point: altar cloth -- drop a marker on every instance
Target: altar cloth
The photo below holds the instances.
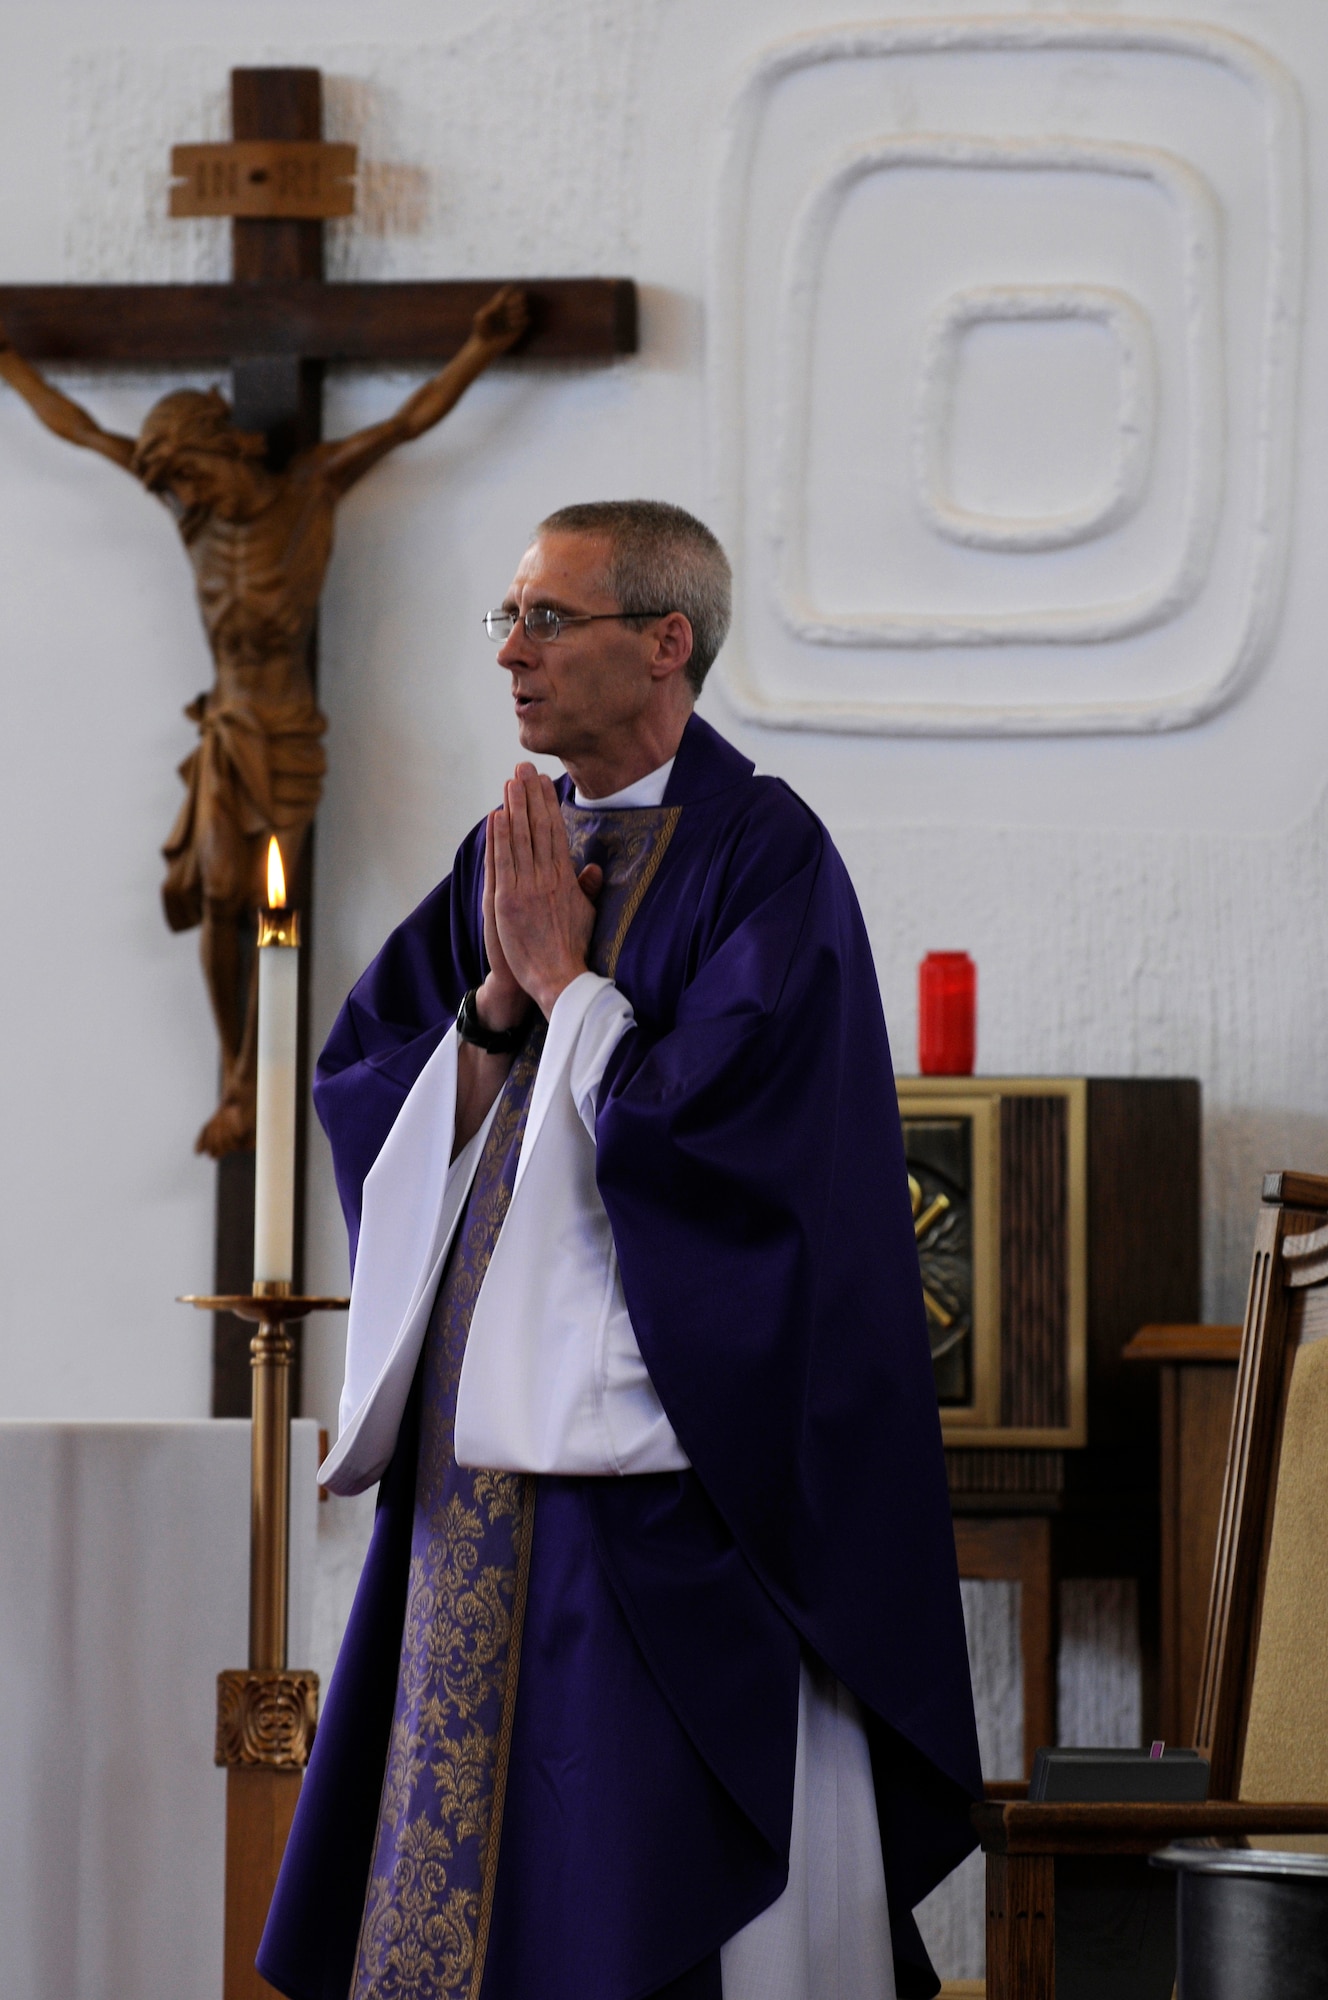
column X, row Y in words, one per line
column 123, row 1591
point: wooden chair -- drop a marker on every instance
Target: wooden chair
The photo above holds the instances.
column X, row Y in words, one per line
column 1263, row 1704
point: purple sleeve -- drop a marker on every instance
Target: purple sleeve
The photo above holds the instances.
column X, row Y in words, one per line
column 751, row 1161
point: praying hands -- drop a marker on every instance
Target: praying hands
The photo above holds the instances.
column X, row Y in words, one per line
column 538, row 912
column 538, row 918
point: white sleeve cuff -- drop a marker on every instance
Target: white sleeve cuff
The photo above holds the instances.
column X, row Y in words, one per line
column 593, row 1016
column 552, row 1379
column 413, row 1197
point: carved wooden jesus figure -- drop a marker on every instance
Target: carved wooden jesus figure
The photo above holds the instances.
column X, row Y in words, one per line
column 259, row 542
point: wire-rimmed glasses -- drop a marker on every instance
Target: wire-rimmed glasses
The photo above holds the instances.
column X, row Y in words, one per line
column 543, row 624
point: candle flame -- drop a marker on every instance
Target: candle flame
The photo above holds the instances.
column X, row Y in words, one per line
column 276, row 877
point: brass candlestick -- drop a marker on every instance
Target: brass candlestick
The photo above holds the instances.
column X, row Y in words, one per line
column 266, row 1712
column 271, row 1354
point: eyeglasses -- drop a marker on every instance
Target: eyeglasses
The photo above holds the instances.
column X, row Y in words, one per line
column 542, row 623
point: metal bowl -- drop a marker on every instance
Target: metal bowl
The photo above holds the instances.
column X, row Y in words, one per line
column 1251, row 1922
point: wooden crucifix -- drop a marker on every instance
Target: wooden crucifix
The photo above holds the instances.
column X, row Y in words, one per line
column 276, row 325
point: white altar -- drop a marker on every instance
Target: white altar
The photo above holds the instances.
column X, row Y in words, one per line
column 123, row 1591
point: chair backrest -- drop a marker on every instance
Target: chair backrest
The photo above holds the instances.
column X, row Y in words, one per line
column 1263, row 1698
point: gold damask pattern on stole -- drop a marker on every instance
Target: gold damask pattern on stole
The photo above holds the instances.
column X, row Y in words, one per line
column 423, row 1935
column 628, row 843
column 524, row 1540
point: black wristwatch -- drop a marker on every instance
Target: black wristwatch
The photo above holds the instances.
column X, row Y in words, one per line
column 494, row 1041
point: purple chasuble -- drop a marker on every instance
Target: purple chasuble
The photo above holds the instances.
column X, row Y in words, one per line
column 750, row 1159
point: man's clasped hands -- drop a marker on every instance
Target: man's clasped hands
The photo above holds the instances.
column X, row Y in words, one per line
column 538, row 911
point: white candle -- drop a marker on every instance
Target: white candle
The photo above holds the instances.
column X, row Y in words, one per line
column 278, row 1029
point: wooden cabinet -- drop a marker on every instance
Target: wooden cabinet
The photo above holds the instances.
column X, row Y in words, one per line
column 1197, row 1393
column 1055, row 1217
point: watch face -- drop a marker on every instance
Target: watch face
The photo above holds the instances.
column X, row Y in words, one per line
column 939, row 1152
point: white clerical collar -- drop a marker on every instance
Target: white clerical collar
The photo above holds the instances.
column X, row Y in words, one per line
column 647, row 791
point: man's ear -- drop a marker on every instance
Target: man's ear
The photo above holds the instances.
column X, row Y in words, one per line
column 673, row 645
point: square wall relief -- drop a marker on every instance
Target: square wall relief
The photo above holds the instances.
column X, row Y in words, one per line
column 1004, row 320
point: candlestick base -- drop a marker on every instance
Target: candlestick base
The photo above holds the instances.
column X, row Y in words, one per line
column 266, row 1713
column 272, row 1306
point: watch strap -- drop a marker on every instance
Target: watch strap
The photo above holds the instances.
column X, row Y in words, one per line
column 494, row 1041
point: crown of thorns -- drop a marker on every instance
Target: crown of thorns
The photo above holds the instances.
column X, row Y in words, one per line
column 190, row 420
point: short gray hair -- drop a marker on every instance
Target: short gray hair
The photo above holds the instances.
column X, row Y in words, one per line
column 661, row 559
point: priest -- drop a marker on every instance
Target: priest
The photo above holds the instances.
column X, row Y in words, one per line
column 655, row 1685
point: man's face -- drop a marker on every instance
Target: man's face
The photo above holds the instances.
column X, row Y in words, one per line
column 579, row 694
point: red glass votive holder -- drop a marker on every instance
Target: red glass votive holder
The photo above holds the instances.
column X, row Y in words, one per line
column 947, row 1013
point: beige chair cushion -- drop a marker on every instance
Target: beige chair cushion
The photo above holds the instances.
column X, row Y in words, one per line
column 1286, row 1744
